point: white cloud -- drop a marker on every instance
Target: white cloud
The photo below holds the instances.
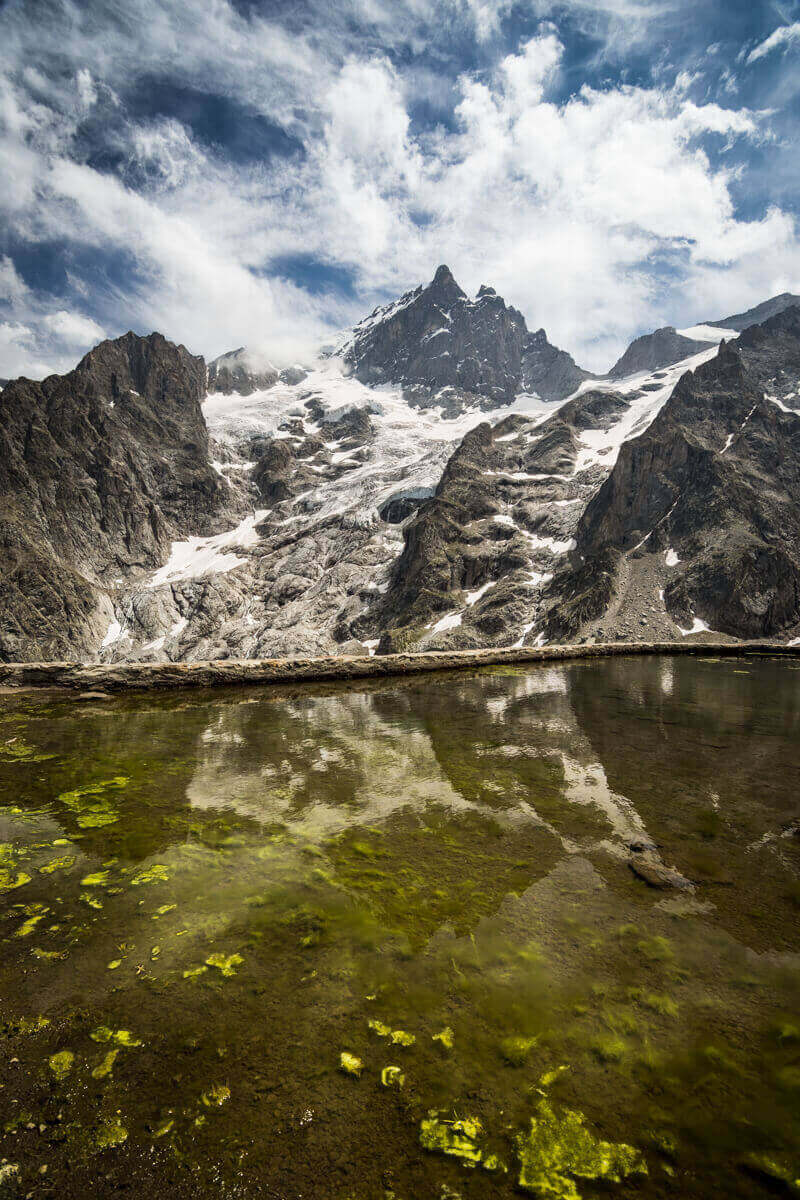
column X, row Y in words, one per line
column 784, row 35
column 73, row 329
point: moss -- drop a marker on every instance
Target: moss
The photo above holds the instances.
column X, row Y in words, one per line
column 351, row 1064
column 226, row 964
column 558, row 1148
column 515, row 1050
column 61, row 1063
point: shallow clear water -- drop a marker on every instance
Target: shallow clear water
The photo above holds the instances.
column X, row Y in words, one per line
column 209, row 899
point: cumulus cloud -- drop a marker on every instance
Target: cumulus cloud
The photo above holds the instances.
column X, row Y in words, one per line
column 597, row 211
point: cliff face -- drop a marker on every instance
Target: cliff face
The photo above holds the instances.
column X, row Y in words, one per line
column 711, row 486
column 99, row 470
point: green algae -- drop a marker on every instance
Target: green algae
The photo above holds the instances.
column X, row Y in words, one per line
column 380, row 1027
column 516, row 1050
column 163, row 910
column 92, row 901
column 120, row 1037
column 61, row 1064
column 193, row 972
column 558, row 1148
column 96, row 879
column 445, row 1037
column 773, row 1170
column 401, row 1038
column 91, row 805
column 114, row 964
column 110, row 1133
column 106, row 1066
column 351, row 1064
column 458, row 1138
column 26, row 1025
column 665, row 1006
column 164, row 1127
column 226, row 964
column 27, row 927
column 608, row 1048
column 9, row 880
column 16, row 750
column 65, row 863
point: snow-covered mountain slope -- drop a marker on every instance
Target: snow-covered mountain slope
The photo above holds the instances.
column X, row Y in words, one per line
column 311, row 567
column 367, row 503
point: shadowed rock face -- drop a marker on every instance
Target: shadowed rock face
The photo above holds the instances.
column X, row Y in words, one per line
column 715, row 479
column 99, row 470
column 447, row 349
column 653, row 351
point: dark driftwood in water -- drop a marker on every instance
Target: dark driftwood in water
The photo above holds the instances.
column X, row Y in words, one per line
column 153, row 676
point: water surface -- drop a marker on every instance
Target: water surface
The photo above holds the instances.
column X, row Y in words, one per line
column 383, row 941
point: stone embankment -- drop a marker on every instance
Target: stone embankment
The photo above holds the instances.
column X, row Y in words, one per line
column 123, row 677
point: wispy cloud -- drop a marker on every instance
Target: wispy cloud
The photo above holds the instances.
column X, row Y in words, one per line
column 784, row 35
column 595, row 209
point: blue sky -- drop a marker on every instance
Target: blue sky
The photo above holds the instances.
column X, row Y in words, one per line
column 242, row 172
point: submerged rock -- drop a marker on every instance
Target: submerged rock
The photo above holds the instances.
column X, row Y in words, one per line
column 649, row 867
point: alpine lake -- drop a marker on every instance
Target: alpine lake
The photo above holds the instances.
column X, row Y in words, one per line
column 383, row 941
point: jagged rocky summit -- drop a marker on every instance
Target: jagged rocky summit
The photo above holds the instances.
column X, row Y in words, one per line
column 449, row 350
column 446, row 479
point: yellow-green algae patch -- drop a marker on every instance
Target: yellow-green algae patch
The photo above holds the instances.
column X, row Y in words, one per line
column 61, row 1063
column 226, row 964
column 96, row 879
column 106, row 1066
column 351, row 1064
column 110, row 1133
column 158, row 873
column 120, row 1037
column 90, row 803
column 445, row 1038
column 65, row 863
column 216, row 1096
column 559, row 1148
column 392, row 1077
column 458, row 1138
column 516, row 1049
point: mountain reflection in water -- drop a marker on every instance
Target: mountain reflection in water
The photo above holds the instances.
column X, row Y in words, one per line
column 385, row 941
